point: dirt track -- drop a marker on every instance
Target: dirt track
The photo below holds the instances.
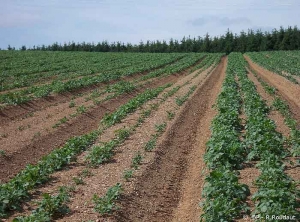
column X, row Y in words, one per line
column 170, row 188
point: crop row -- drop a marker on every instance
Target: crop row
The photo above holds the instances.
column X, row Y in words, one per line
column 209, row 60
column 278, row 62
column 224, row 195
column 277, row 193
column 283, row 108
column 99, row 154
column 59, row 87
column 13, row 192
column 72, row 65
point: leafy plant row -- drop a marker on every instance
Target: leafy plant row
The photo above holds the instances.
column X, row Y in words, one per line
column 103, row 153
column 28, row 94
column 280, row 62
column 131, row 106
column 176, row 67
column 21, row 71
column 13, row 192
column 17, row 189
column 283, row 108
column 106, row 204
column 277, row 193
column 48, row 207
column 209, row 60
column 224, row 195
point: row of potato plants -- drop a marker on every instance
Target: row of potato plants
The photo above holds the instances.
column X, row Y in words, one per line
column 97, row 155
column 282, row 106
column 177, row 67
column 103, row 153
column 224, row 196
column 122, row 87
column 127, row 87
column 209, row 60
column 107, row 204
column 69, row 152
column 30, row 93
column 48, row 207
column 279, row 62
column 17, row 189
column 71, row 66
column 277, row 192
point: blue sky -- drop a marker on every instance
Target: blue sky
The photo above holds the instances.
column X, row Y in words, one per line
column 36, row 22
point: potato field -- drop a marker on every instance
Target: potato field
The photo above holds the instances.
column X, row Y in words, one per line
column 181, row 137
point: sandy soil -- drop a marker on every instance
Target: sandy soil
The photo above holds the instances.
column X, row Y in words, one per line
column 42, row 145
column 288, row 90
column 108, row 174
column 165, row 186
column 250, row 172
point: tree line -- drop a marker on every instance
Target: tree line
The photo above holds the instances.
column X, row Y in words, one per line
column 250, row 41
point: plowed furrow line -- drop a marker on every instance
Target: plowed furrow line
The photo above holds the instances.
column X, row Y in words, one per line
column 164, row 184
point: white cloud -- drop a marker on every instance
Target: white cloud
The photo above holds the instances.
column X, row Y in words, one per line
column 134, row 20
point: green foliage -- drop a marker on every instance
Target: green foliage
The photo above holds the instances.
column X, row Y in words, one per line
column 136, row 160
column 122, row 134
column 277, row 193
column 284, row 63
column 77, row 70
column 48, row 207
column 127, row 174
column 2, row 153
column 86, row 173
column 106, row 204
column 78, row 180
column 150, row 145
column 13, row 192
column 121, row 87
column 170, row 115
column 72, row 104
column 102, row 153
column 225, row 197
column 160, row 128
column 180, row 100
column 61, row 121
column 81, row 109
column 131, row 106
column 171, row 92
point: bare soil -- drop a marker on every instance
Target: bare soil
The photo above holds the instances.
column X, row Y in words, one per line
column 10, row 112
column 250, row 173
column 286, row 89
column 273, row 114
column 41, row 146
column 164, row 184
column 107, row 175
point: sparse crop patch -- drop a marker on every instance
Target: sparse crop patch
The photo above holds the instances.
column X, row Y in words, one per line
column 106, row 204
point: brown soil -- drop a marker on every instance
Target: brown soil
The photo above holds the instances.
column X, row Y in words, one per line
column 109, row 174
column 188, row 208
column 21, row 137
column 273, row 114
column 247, row 176
column 297, row 78
column 250, row 172
column 286, row 89
column 20, row 133
column 50, row 79
column 9, row 113
column 161, row 188
column 83, row 124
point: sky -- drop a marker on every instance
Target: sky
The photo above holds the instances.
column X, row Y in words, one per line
column 37, row 22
